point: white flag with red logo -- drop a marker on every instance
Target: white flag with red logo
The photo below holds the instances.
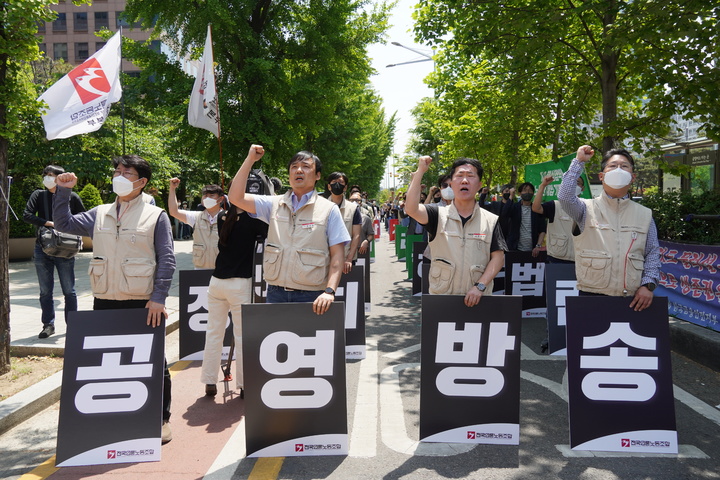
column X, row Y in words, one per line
column 203, row 109
column 80, row 101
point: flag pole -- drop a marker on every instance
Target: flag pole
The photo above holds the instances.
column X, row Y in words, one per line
column 122, row 98
column 217, row 100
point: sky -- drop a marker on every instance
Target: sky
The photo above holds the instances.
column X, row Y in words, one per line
column 401, row 87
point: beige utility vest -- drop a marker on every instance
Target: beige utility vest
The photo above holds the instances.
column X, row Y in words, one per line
column 610, row 252
column 123, row 263
column 205, row 241
column 297, row 255
column 460, row 253
column 347, row 210
column 559, row 236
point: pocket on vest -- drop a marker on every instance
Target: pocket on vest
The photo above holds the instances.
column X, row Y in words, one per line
column 558, row 245
column 97, row 270
column 310, row 268
column 272, row 261
column 635, row 267
column 137, row 276
column 594, row 268
column 441, row 275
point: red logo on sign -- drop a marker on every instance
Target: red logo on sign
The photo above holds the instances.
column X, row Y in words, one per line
column 471, row 435
column 89, row 80
column 111, row 454
column 625, row 442
column 299, row 447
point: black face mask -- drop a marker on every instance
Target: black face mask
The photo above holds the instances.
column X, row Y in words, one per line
column 526, row 196
column 506, row 196
column 337, row 188
column 437, row 199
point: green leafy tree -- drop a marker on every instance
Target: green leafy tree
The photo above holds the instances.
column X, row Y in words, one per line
column 284, row 72
column 645, row 60
column 18, row 46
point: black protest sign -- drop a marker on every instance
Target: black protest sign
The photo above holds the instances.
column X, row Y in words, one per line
column 560, row 283
column 351, row 291
column 112, row 387
column 619, row 376
column 525, row 276
column 295, row 395
column 259, row 285
column 363, row 260
column 470, row 371
column 417, row 263
column 194, row 315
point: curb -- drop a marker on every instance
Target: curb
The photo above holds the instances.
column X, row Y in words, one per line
column 701, row 345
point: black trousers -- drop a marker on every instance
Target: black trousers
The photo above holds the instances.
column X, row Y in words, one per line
column 104, row 304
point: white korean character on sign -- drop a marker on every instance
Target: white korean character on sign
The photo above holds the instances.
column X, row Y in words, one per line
column 198, row 321
column 463, row 346
column 119, row 389
column 564, row 289
column 258, row 280
column 528, row 279
column 350, row 293
column 617, row 385
column 315, row 353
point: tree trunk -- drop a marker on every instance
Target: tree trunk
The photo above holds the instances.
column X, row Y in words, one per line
column 4, row 255
column 608, row 83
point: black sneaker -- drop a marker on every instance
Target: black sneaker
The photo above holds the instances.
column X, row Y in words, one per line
column 47, row 330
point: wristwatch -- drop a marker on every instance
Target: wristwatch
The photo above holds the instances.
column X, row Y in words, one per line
column 480, row 286
column 650, row 286
column 330, row 291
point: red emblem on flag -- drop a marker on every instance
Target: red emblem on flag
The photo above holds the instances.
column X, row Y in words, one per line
column 89, row 80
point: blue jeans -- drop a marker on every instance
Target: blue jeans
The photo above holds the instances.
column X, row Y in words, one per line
column 277, row 294
column 45, row 266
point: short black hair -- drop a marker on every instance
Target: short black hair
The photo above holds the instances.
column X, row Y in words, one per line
column 616, row 151
column 53, row 169
column 467, row 161
column 335, row 176
column 305, row 155
column 135, row 161
column 525, row 184
column 212, row 189
column 443, row 179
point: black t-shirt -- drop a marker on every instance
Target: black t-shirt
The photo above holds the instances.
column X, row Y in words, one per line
column 549, row 211
column 498, row 240
column 235, row 260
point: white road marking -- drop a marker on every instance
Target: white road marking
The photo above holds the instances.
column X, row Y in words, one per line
column 363, row 440
column 401, row 353
column 230, row 456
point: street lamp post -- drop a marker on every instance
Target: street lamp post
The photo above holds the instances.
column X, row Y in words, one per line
column 428, row 57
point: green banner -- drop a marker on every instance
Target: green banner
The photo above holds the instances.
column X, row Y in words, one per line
column 409, row 241
column 536, row 172
column 400, row 233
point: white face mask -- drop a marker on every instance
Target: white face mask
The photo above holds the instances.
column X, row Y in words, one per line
column 578, row 191
column 617, row 178
column 209, row 202
column 447, row 193
column 49, row 182
column 122, row 186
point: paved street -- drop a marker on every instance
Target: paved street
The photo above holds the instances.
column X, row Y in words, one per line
column 383, row 408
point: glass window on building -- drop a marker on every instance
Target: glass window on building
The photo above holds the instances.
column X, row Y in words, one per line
column 120, row 20
column 60, row 51
column 43, row 48
column 80, row 23
column 102, row 20
column 99, row 45
column 41, row 27
column 155, row 46
column 81, row 51
column 60, row 23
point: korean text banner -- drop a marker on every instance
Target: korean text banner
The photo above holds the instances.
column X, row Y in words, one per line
column 80, row 101
column 535, row 174
column 688, row 276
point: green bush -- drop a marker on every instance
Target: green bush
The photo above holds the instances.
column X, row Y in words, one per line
column 90, row 196
column 20, row 191
column 671, row 209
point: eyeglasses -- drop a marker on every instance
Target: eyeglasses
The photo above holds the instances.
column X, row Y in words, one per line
column 117, row 173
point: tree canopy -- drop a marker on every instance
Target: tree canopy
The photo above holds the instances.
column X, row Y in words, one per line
column 634, row 62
